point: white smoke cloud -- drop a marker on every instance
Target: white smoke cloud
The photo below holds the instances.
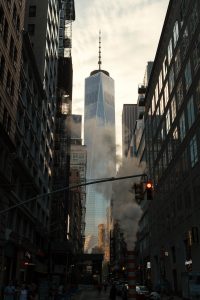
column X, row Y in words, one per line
column 125, row 209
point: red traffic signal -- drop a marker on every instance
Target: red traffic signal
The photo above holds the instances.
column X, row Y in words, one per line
column 149, row 190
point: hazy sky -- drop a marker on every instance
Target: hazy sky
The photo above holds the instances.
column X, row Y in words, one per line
column 130, row 35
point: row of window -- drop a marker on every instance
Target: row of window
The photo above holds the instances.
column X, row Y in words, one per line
column 163, row 113
column 172, row 63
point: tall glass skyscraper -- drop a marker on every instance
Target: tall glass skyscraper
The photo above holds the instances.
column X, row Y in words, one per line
column 99, row 134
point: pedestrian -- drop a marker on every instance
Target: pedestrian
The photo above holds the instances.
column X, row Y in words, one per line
column 9, row 291
column 23, row 294
column 113, row 292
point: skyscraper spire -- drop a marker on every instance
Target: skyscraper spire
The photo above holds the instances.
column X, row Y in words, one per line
column 99, row 62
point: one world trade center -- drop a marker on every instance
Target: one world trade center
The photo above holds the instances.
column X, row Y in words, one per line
column 99, row 136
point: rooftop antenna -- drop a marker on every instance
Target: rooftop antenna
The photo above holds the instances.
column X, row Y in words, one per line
column 99, row 62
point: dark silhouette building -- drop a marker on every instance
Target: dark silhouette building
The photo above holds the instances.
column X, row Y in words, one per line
column 172, row 123
column 129, row 117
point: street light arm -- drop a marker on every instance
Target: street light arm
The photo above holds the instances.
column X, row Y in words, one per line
column 70, row 187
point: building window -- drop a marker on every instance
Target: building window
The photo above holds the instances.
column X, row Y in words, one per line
column 171, row 79
column 14, row 14
column 8, row 82
column 18, row 24
column 9, row 125
column 185, row 162
column 2, row 14
column 166, row 91
column 182, row 126
column 169, row 148
column 198, row 95
column 173, row 109
column 15, row 56
column 179, row 93
column 170, row 51
column 160, row 81
column 196, row 53
column 175, row 139
column 5, row 118
column 153, row 105
column 2, row 68
column 156, row 94
column 163, row 132
column 5, row 32
column 168, row 125
column 161, row 105
column 12, row 88
column 32, row 11
column 165, row 66
column 175, row 33
column 188, row 75
column 185, row 41
column 31, row 29
column 177, row 63
column 193, row 151
column 190, row 112
column 11, row 47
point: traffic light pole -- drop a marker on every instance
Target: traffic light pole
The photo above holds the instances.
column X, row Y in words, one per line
column 71, row 187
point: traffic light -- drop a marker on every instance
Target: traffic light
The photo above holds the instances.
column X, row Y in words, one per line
column 139, row 191
column 149, row 190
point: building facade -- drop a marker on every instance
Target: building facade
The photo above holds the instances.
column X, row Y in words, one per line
column 78, row 161
column 173, row 146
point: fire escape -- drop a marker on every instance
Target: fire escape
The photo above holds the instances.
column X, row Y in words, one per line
column 60, row 245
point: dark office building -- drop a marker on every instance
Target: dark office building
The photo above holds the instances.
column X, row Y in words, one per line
column 172, row 128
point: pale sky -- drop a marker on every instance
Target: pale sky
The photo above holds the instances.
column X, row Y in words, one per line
column 130, row 32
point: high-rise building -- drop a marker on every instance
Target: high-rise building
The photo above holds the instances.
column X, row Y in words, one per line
column 99, row 134
column 11, row 26
column 172, row 123
column 129, row 117
column 101, row 237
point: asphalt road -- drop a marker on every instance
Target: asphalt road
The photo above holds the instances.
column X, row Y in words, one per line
column 90, row 293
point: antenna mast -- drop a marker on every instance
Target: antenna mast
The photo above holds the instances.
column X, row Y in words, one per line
column 99, row 62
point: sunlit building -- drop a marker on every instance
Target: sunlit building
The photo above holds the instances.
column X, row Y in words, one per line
column 172, row 123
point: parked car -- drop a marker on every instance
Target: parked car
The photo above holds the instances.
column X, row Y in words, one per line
column 142, row 291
